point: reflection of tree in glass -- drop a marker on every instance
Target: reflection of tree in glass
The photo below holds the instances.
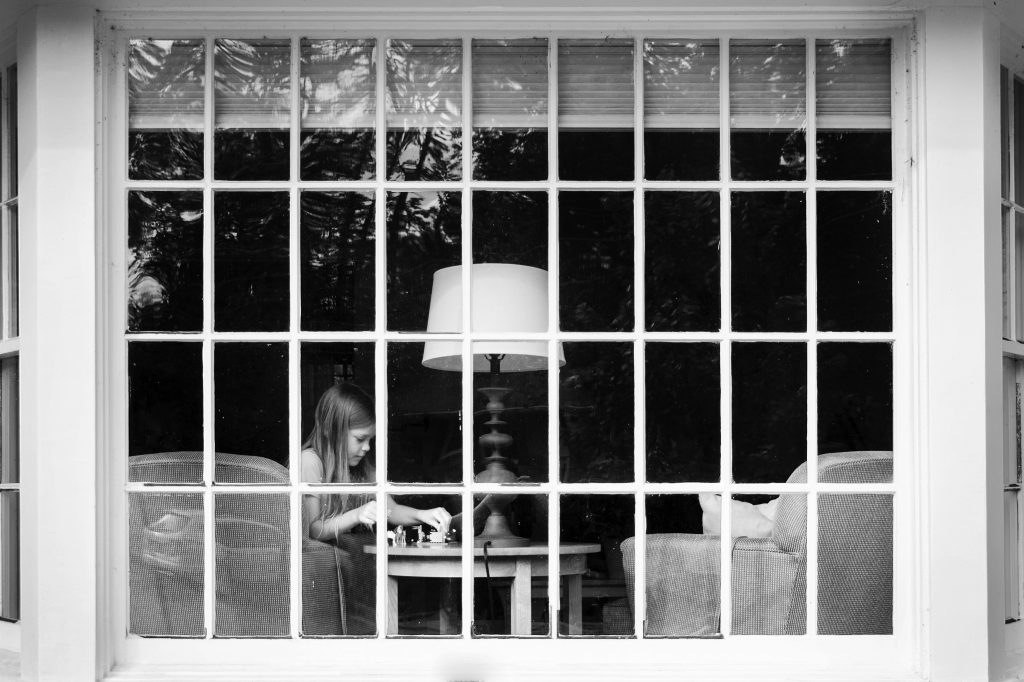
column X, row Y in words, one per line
column 337, row 261
column 424, row 110
column 338, row 105
column 165, row 261
column 165, row 91
column 423, row 236
column 511, row 227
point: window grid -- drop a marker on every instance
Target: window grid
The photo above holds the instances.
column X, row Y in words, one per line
column 724, row 185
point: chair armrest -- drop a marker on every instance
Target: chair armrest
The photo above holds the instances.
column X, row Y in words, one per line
column 323, row 595
column 682, row 583
column 764, row 588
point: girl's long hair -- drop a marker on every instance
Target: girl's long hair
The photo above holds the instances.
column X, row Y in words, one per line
column 341, row 408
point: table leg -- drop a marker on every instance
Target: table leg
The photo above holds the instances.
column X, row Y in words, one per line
column 522, row 586
column 392, row 605
column 574, row 601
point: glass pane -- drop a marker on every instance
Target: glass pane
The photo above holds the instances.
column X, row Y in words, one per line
column 510, row 109
column 590, row 547
column 510, row 588
column 165, row 261
column 165, row 411
column 424, row 110
column 595, row 109
column 596, row 413
column 683, row 566
column 10, row 421
column 681, row 109
column 1018, row 140
column 337, row 381
column 252, row 565
column 769, row 410
column 165, row 569
column 339, row 106
column 511, row 227
column 683, row 412
column 251, row 410
column 1007, row 270
column 768, row 563
column 510, row 411
column 424, row 235
column 854, row 261
column 166, row 95
column 1011, row 556
column 338, row 254
column 854, row 564
column 1018, row 269
column 767, row 106
column 853, row 109
column 252, row 108
column 1004, row 132
column 1011, row 423
column 683, row 294
column 854, row 397
column 424, row 418
column 335, row 551
column 10, row 555
column 12, row 134
column 596, row 261
column 13, row 280
column 424, row 570
column 250, row 261
column 769, row 261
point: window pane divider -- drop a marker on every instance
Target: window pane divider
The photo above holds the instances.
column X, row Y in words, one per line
column 294, row 463
column 811, row 204
column 469, row 427
column 639, row 345
column 725, row 344
column 210, row 417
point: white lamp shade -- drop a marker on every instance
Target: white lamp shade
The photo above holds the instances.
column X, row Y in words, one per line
column 505, row 298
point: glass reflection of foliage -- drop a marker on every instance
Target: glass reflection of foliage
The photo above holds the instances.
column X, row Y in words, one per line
column 337, row 261
column 769, row 261
column 769, row 410
column 424, row 140
column 674, row 514
column 768, row 96
column 251, row 269
column 511, row 227
column 253, row 81
column 167, row 78
column 510, row 154
column 854, row 154
column 854, row 261
column 424, row 419
column 596, row 413
column 251, row 399
column 683, row 412
column 681, row 109
column 165, row 261
column 165, row 405
column 338, row 84
column 596, row 261
column 321, row 365
column 423, row 236
column 854, row 397
column 683, row 294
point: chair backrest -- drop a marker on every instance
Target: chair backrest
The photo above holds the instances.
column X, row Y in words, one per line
column 854, row 546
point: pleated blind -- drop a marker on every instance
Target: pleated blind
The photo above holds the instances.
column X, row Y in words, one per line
column 338, row 84
column 767, row 84
column 166, row 79
column 595, row 84
column 681, row 84
column 853, row 82
column 253, row 84
column 424, row 83
column 510, row 83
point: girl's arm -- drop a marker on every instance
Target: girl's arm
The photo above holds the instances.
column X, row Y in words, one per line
column 401, row 515
column 330, row 528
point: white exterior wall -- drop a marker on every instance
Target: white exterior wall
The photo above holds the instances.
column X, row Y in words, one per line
column 956, row 522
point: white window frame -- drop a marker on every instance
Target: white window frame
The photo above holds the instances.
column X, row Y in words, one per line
column 870, row 655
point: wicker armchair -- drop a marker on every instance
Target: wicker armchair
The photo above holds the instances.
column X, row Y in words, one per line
column 252, row 555
column 769, row 574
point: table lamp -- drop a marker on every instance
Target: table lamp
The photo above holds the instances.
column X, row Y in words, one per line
column 505, row 298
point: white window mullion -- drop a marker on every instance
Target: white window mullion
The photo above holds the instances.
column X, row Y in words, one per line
column 554, row 379
column 725, row 344
column 210, row 417
column 209, row 543
column 726, row 480
column 294, row 348
column 468, row 417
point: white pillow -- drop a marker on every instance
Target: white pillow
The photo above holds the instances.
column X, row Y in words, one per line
column 749, row 520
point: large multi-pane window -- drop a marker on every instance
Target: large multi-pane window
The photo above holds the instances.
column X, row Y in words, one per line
column 9, row 347
column 591, row 288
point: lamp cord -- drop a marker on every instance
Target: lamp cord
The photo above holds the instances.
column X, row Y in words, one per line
column 487, row 572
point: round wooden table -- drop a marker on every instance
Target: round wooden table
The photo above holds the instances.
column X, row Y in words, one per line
column 519, row 563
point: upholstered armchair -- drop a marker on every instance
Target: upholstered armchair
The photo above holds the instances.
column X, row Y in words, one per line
column 769, row 574
column 252, row 555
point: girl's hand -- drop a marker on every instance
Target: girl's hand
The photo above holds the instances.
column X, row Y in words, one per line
column 438, row 517
column 367, row 514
